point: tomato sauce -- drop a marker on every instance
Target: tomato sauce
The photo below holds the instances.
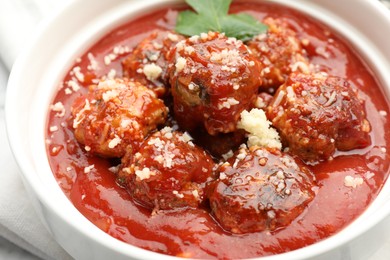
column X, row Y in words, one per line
column 194, row 232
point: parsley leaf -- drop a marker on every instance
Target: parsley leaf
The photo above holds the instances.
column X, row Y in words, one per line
column 212, row 15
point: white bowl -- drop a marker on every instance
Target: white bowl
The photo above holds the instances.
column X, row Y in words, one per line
column 67, row 34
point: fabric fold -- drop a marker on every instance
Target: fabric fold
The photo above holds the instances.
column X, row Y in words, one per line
column 19, row 223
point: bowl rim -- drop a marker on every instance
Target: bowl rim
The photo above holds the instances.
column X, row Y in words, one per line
column 23, row 159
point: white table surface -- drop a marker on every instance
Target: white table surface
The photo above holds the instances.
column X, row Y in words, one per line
column 11, row 251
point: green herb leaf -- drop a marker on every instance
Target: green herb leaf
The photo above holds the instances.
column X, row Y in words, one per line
column 212, row 15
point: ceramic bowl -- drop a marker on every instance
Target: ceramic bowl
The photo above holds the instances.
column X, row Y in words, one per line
column 67, row 34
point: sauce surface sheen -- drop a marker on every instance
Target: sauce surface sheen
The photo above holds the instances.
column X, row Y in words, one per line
column 193, row 232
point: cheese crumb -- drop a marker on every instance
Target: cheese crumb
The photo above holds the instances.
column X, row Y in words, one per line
column 179, row 195
column 109, row 95
column 195, row 193
column 228, row 103
column 68, row 91
column 145, row 173
column 53, row 128
column 189, row 50
column 173, row 37
column 58, row 107
column 353, row 182
column 89, row 168
column 77, row 72
column 73, row 85
column 80, row 115
column 181, row 64
column 259, row 128
column 111, row 74
column 114, row 142
column 114, row 169
column 271, row 214
column 152, row 71
column 93, row 64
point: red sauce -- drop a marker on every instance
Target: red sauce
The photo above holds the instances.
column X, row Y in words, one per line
column 193, row 232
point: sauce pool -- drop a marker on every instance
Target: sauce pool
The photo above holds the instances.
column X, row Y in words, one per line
column 88, row 181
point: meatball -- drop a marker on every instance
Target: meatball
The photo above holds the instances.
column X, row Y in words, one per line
column 221, row 144
column 147, row 63
column 317, row 113
column 167, row 172
column 260, row 189
column 115, row 114
column 280, row 53
column 213, row 79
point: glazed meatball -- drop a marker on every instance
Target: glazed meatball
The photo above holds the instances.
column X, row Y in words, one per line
column 213, row 79
column 115, row 114
column 167, row 172
column 260, row 189
column 317, row 113
column 147, row 63
column 280, row 53
column 221, row 144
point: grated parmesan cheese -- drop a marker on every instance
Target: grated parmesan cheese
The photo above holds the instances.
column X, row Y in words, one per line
column 152, row 71
column 77, row 72
column 259, row 128
column 53, row 128
column 93, row 64
column 59, row 108
column 73, row 85
column 114, row 169
column 195, row 193
column 111, row 74
column 353, row 182
column 145, row 173
column 189, row 50
column 89, row 168
column 68, row 91
column 181, row 64
column 173, row 37
column 179, row 195
column 228, row 103
column 80, row 115
column 114, row 142
column 109, row 95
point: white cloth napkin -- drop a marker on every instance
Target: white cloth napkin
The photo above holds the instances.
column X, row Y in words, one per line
column 19, row 223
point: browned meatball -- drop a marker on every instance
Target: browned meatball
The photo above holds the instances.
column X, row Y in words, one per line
column 221, row 144
column 213, row 79
column 114, row 114
column 147, row 63
column 280, row 53
column 317, row 113
column 167, row 172
column 260, row 189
